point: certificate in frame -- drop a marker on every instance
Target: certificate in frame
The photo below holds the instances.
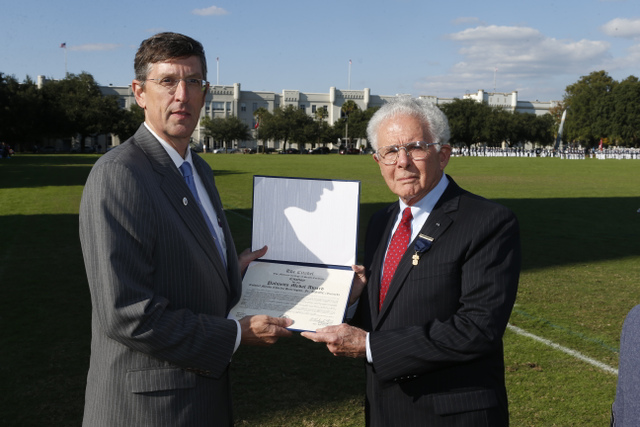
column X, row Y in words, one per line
column 311, row 229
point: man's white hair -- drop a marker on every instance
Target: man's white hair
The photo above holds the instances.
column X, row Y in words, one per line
column 432, row 118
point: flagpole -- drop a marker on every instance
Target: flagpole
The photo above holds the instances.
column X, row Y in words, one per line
column 349, row 82
column 495, row 72
column 64, row 46
column 217, row 71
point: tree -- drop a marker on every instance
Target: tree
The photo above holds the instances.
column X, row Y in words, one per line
column 321, row 129
column 128, row 121
column 466, row 120
column 22, row 109
column 226, row 129
column 287, row 124
column 591, row 108
column 321, row 114
column 261, row 115
column 79, row 108
column 347, row 109
column 625, row 127
column 499, row 126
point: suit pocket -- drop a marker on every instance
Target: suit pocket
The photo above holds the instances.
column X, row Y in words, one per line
column 466, row 401
column 159, row 379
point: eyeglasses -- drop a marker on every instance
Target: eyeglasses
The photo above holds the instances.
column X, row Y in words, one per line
column 171, row 83
column 417, row 150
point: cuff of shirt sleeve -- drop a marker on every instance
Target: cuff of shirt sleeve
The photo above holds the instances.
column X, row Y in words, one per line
column 369, row 356
column 238, row 332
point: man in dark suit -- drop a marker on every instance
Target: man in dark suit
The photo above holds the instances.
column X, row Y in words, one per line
column 441, row 270
column 626, row 407
column 161, row 263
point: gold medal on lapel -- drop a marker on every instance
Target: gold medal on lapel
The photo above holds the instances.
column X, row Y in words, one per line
column 422, row 245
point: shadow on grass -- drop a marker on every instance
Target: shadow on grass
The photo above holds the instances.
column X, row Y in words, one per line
column 45, row 309
column 554, row 232
column 45, row 314
column 31, row 171
column 565, row 231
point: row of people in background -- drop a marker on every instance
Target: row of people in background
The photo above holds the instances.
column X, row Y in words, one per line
column 492, row 152
column 5, row 151
column 618, row 153
column 564, row 153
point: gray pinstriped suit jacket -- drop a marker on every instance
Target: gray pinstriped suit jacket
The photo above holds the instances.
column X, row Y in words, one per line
column 437, row 342
column 161, row 343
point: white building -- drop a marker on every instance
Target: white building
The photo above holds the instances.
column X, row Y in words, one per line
column 225, row 101
column 510, row 102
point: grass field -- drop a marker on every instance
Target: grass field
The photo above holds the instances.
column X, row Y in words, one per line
column 580, row 234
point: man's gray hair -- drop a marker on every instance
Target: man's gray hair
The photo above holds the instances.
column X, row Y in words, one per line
column 432, row 118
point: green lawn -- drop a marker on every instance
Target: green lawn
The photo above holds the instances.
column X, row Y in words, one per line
column 580, row 234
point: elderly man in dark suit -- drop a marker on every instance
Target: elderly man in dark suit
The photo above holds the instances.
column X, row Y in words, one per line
column 441, row 270
column 161, row 263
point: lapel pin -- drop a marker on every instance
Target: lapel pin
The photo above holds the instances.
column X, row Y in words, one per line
column 185, row 201
column 422, row 245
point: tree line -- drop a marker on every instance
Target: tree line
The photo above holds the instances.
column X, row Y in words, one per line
column 598, row 108
column 292, row 125
column 71, row 107
column 601, row 108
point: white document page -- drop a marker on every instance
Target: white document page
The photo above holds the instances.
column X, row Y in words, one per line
column 306, row 220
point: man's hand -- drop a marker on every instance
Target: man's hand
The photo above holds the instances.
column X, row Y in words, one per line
column 245, row 258
column 341, row 340
column 359, row 282
column 263, row 330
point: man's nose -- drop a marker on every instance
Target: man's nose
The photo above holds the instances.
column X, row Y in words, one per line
column 182, row 91
column 403, row 156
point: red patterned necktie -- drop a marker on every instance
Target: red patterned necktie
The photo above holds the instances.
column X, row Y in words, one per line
column 397, row 247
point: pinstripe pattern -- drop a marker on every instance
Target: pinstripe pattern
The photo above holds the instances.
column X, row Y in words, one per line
column 161, row 343
column 626, row 407
column 437, row 341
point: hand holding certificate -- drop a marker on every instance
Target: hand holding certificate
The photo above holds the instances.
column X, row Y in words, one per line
column 310, row 228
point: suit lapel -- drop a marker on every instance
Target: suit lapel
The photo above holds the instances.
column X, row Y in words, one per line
column 207, row 179
column 378, row 258
column 172, row 183
column 438, row 222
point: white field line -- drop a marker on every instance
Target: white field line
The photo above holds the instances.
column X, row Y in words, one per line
column 566, row 350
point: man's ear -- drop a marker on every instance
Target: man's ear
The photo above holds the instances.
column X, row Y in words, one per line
column 445, row 155
column 138, row 91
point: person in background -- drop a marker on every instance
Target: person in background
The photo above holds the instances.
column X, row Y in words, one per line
column 626, row 406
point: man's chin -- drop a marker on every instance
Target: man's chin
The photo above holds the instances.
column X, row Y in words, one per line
column 181, row 131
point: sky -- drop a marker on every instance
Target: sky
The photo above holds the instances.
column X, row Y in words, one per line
column 417, row 47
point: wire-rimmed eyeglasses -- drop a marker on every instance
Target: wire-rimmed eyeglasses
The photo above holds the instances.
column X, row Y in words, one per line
column 171, row 83
column 417, row 150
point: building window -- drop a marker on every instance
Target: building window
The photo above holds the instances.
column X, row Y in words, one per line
column 255, row 106
column 313, row 109
column 303, row 107
column 243, row 107
column 218, row 106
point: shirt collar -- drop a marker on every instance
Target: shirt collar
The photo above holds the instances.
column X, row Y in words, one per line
column 177, row 159
column 427, row 203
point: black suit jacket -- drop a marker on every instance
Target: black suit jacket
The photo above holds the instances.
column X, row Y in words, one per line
column 437, row 341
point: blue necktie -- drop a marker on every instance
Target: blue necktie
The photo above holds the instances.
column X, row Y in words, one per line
column 185, row 168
